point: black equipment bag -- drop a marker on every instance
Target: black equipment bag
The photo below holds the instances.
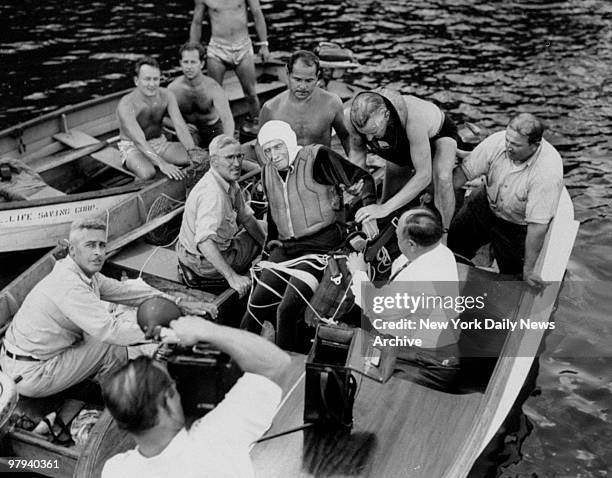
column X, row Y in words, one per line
column 330, row 386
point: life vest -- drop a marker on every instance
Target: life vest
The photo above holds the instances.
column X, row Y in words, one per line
column 299, row 205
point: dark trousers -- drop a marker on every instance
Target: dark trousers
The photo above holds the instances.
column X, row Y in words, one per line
column 475, row 225
column 287, row 314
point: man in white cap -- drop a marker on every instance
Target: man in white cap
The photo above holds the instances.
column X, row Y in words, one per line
column 303, row 187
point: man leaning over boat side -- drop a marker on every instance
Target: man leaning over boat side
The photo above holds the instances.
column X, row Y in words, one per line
column 311, row 111
column 425, row 266
column 419, row 143
column 63, row 333
column 203, row 102
column 304, row 204
column 219, row 236
column 143, row 400
column 230, row 45
column 524, row 180
column 143, row 146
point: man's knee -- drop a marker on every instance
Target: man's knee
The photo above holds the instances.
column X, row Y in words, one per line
column 141, row 167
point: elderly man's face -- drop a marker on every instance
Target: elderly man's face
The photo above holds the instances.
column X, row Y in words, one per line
column 276, row 151
column 228, row 162
column 518, row 147
column 88, row 250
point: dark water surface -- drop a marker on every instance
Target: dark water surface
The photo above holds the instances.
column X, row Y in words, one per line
column 483, row 61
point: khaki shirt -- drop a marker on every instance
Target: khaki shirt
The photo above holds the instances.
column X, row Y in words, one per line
column 65, row 304
column 528, row 193
column 213, row 210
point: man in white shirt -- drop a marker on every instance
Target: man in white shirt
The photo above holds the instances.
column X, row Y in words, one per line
column 426, row 268
column 143, row 399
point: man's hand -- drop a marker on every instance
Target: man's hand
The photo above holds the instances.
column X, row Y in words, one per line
column 534, row 280
column 190, row 329
column 355, row 262
column 199, row 308
column 264, row 52
column 241, row 284
column 170, row 170
column 370, row 227
column 373, row 211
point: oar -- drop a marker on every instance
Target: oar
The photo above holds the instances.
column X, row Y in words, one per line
column 76, row 154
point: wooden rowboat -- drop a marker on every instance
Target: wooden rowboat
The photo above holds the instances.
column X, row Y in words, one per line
column 72, row 161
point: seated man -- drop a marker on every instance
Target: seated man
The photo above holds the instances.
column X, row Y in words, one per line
column 63, row 332
column 301, row 184
column 211, row 242
column 524, row 180
column 141, row 114
column 143, row 400
column 311, row 111
column 426, row 268
column 202, row 101
column 418, row 141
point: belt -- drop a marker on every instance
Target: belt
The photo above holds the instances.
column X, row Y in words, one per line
column 26, row 358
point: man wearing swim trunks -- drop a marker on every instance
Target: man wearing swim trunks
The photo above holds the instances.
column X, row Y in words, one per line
column 311, row 111
column 141, row 114
column 230, row 45
column 202, row 101
column 419, row 143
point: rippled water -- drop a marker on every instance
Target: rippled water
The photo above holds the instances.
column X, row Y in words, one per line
column 483, row 61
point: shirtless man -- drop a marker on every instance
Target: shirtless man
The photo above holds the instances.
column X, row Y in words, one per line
column 141, row 114
column 202, row 101
column 230, row 45
column 418, row 141
column 310, row 110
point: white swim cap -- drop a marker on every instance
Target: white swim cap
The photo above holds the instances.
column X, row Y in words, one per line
column 276, row 129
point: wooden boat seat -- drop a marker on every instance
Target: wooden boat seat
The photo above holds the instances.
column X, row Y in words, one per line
column 109, row 156
column 148, row 259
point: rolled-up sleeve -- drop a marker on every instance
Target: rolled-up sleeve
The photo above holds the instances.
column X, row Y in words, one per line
column 128, row 292
column 479, row 160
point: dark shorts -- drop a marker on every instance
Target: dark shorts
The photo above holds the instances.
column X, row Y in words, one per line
column 447, row 130
column 206, row 133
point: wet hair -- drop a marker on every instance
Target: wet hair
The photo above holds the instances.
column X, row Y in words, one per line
column 364, row 106
column 132, row 394
column 308, row 58
column 88, row 223
column 422, row 225
column 219, row 142
column 193, row 46
column 145, row 60
column 529, row 126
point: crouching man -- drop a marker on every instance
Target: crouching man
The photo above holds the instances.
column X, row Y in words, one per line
column 142, row 398
column 63, row 333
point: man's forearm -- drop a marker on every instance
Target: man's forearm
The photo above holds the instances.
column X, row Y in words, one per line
column 211, row 252
column 251, row 352
column 255, row 230
column 534, row 241
column 411, row 189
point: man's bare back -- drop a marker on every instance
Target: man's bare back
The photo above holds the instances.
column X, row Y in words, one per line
column 311, row 120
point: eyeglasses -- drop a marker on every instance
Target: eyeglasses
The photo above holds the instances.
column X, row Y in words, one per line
column 234, row 157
